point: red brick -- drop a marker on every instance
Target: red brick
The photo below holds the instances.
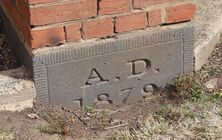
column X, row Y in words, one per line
column 98, row 28
column 180, row 13
column 73, row 32
column 131, row 22
column 18, row 20
column 12, row 11
column 24, row 9
column 154, row 18
column 114, row 6
column 66, row 11
column 145, row 3
column 61, row 11
column 25, row 30
column 47, row 37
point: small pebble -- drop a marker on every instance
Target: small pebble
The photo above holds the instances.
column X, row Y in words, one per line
column 33, row 116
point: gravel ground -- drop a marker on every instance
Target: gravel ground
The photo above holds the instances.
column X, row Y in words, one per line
column 216, row 58
column 13, row 81
column 13, row 76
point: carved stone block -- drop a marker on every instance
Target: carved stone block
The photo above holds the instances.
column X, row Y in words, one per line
column 120, row 70
column 115, row 71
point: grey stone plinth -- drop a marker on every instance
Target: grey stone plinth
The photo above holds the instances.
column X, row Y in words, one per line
column 122, row 70
column 117, row 70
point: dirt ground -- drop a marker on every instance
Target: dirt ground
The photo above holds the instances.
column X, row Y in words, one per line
column 58, row 123
column 7, row 58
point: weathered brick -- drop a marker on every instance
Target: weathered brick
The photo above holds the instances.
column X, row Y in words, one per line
column 98, row 28
column 18, row 21
column 100, row 18
column 25, row 30
column 131, row 22
column 114, row 6
column 73, row 32
column 47, row 37
column 23, row 7
column 180, row 13
column 145, row 3
column 63, row 12
column 11, row 10
column 154, row 18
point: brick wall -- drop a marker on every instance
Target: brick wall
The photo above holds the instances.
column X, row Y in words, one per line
column 42, row 23
column 18, row 13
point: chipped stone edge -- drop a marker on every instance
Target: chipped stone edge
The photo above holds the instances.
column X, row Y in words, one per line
column 204, row 50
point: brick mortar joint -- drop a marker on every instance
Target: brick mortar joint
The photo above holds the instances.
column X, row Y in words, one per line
column 118, row 35
column 113, row 16
column 40, row 5
column 52, row 54
column 98, row 16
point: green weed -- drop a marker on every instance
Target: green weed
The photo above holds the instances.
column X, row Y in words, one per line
column 89, row 109
column 216, row 96
column 188, row 87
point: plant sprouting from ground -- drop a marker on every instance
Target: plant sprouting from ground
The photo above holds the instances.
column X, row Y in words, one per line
column 216, row 96
column 187, row 87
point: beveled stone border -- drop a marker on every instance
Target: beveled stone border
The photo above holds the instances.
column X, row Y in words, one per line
column 126, row 42
column 38, row 63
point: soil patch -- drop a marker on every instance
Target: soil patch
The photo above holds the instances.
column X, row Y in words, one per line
column 7, row 58
column 63, row 123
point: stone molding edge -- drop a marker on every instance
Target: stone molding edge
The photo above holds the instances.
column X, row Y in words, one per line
column 37, row 63
column 130, row 41
column 40, row 62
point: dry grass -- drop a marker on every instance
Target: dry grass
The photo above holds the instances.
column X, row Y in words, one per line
column 191, row 120
column 197, row 117
column 5, row 134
